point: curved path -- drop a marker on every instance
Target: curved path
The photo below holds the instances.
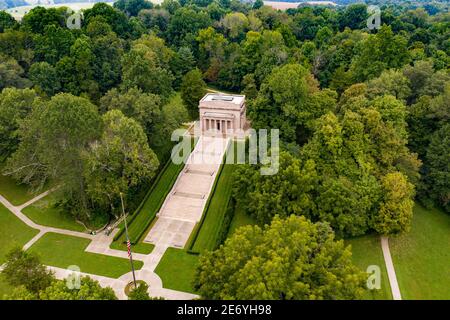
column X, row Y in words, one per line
column 100, row 244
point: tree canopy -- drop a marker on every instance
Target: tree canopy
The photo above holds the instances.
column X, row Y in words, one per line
column 290, row 259
column 363, row 118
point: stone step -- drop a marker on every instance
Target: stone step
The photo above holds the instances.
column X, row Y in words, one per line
column 194, row 171
column 189, row 195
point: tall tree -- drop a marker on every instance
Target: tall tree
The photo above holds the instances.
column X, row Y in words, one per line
column 395, row 213
column 292, row 259
column 183, row 61
column 211, row 52
column 285, row 193
column 24, row 269
column 119, row 161
column 11, row 74
column 193, row 88
column 235, row 24
column 89, row 290
column 425, row 117
column 378, row 52
column 140, row 69
column 53, row 138
column 6, row 21
column 114, row 17
column 291, row 94
column 44, row 77
column 132, row 7
column 108, row 49
column 354, row 16
column 39, row 17
column 15, row 105
column 155, row 19
column 53, row 44
column 186, row 22
column 390, row 82
column 437, row 173
column 145, row 108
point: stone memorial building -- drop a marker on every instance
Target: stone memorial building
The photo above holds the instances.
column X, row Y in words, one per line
column 222, row 114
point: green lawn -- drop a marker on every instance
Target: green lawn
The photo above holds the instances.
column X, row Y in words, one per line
column 215, row 211
column 45, row 213
column 366, row 251
column 62, row 251
column 140, row 247
column 240, row 219
column 13, row 232
column 177, row 269
column 422, row 257
column 15, row 193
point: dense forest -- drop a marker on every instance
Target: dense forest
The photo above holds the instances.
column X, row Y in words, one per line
column 363, row 114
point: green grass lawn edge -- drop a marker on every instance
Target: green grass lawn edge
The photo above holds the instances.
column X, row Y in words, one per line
column 177, row 270
column 62, row 251
column 195, row 233
column 44, row 212
column 215, row 211
column 422, row 256
column 13, row 232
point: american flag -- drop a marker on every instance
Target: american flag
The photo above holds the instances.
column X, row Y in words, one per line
column 129, row 248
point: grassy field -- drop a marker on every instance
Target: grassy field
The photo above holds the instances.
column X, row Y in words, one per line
column 366, row 251
column 140, row 247
column 215, row 212
column 15, row 193
column 240, row 219
column 177, row 269
column 13, row 232
column 62, row 251
column 45, row 213
column 422, row 257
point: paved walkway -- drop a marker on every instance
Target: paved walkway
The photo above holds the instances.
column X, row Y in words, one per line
column 184, row 205
column 390, row 269
column 17, row 211
column 100, row 244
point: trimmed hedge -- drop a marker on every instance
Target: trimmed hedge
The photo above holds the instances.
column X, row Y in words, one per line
column 226, row 223
column 198, row 226
column 209, row 233
column 139, row 222
column 130, row 218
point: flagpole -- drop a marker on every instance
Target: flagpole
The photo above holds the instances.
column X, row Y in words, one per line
column 128, row 241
